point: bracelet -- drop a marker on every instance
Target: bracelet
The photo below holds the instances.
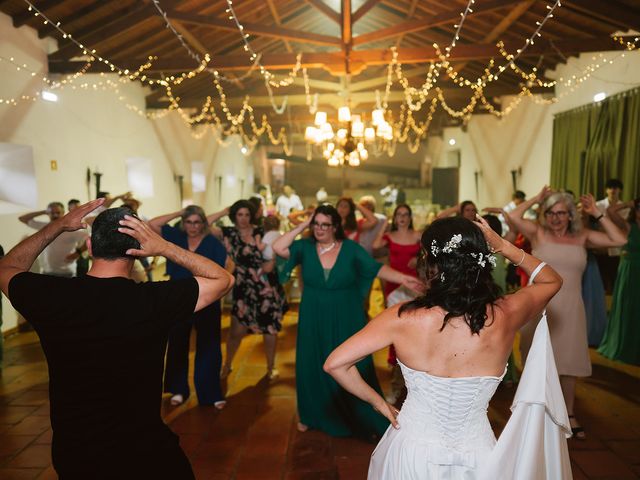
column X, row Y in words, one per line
column 600, row 217
column 521, row 260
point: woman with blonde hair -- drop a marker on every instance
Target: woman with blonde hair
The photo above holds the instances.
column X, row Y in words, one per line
column 559, row 238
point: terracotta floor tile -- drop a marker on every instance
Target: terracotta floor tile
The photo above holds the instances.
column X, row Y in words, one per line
column 255, row 436
column 352, row 467
column 45, row 438
column 43, row 410
column 13, row 414
column 34, row 456
column 577, row 472
column 601, row 463
column 32, row 425
column 626, row 449
column 48, row 474
column 32, row 397
column 10, row 445
column 19, row 473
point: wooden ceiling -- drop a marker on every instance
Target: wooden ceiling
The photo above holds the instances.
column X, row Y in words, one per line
column 345, row 44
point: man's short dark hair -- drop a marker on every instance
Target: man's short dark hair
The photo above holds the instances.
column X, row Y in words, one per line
column 73, row 201
column 102, row 194
column 106, row 241
column 519, row 194
column 55, row 204
column 613, row 183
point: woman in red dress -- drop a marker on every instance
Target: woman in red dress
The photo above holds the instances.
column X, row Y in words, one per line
column 403, row 242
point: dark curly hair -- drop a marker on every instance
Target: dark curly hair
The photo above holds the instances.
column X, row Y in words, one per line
column 233, row 209
column 330, row 211
column 350, row 222
column 456, row 280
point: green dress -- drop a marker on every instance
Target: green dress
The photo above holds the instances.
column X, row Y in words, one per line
column 331, row 311
column 622, row 338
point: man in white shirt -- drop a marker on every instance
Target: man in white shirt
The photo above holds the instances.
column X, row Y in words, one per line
column 287, row 202
column 59, row 257
column 516, row 199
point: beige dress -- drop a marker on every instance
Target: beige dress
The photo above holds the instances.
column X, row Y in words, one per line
column 565, row 312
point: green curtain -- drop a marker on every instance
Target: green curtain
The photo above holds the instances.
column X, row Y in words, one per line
column 596, row 142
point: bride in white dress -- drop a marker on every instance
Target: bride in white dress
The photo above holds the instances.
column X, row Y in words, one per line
column 452, row 344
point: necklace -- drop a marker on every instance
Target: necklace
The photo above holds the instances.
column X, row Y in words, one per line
column 323, row 250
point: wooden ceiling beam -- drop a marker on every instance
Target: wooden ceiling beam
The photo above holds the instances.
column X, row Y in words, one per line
column 286, row 61
column 364, row 8
column 121, row 25
column 326, row 10
column 346, row 26
column 276, row 17
column 502, row 26
column 611, row 11
column 255, row 29
column 26, row 16
column 93, row 8
column 444, row 18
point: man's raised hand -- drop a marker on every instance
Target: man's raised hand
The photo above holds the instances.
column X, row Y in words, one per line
column 74, row 219
column 151, row 244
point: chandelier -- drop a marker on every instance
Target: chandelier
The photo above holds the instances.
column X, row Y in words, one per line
column 347, row 145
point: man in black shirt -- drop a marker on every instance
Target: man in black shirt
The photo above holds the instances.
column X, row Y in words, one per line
column 104, row 337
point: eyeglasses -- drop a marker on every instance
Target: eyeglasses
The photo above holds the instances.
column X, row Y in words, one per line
column 558, row 214
column 195, row 223
column 322, row 226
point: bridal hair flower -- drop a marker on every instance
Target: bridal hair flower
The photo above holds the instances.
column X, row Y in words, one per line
column 482, row 259
column 453, row 243
column 434, row 248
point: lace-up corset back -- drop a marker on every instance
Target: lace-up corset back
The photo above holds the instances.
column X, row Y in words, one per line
column 450, row 412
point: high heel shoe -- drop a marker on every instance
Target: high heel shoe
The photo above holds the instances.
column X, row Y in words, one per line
column 220, row 404
column 577, row 431
column 302, row 427
column 177, row 400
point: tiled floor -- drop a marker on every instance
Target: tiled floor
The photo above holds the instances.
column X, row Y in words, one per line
column 255, row 436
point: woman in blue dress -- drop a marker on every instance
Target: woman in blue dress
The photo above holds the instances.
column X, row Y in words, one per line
column 192, row 233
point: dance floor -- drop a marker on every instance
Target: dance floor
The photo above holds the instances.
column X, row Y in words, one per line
column 255, row 437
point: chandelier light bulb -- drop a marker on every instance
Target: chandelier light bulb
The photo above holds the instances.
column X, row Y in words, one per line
column 344, row 114
column 321, row 118
column 369, row 134
column 310, row 134
column 377, row 117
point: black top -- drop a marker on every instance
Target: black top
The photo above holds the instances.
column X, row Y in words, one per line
column 104, row 339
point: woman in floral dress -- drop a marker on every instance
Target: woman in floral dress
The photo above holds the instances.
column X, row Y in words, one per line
column 258, row 297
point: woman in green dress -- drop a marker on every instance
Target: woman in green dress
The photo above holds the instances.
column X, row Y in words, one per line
column 337, row 274
column 622, row 338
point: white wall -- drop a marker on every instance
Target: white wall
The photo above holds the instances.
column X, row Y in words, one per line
column 522, row 140
column 91, row 128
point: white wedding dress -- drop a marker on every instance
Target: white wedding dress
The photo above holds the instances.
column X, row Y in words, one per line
column 445, row 434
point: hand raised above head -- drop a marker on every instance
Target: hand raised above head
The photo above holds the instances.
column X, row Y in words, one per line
column 151, row 244
column 494, row 240
column 542, row 194
column 74, row 219
column 589, row 205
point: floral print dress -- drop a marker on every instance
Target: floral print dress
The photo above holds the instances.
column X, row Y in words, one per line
column 258, row 298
